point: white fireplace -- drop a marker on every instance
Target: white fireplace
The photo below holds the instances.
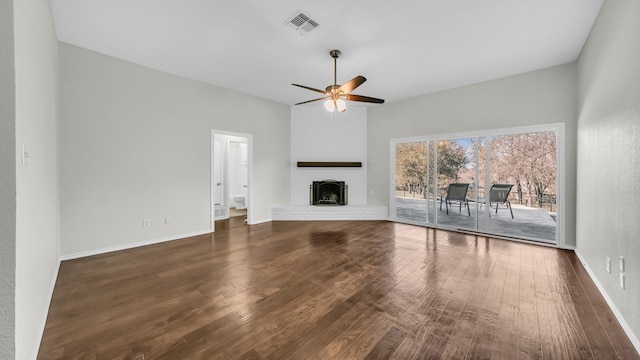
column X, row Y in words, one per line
column 331, row 146
column 320, row 136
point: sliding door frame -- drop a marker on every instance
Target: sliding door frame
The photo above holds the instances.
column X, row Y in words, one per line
column 558, row 128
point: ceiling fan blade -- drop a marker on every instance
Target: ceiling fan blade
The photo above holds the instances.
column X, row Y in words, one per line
column 308, row 101
column 364, row 99
column 310, row 88
column 352, row 84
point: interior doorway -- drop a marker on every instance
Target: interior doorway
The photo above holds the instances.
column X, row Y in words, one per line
column 231, row 169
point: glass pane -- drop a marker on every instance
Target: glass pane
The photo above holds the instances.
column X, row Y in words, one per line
column 522, row 186
column 456, row 169
column 411, row 181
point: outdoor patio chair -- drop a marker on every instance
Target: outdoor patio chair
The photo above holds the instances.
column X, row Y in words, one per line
column 499, row 195
column 457, row 192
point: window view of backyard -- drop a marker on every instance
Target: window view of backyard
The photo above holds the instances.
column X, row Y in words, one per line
column 503, row 185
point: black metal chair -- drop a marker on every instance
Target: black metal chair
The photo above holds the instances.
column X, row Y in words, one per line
column 457, row 192
column 499, row 195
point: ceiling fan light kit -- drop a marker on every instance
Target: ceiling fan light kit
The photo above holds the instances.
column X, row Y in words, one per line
column 335, row 95
column 332, row 106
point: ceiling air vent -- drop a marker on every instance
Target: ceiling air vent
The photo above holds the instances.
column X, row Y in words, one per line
column 301, row 23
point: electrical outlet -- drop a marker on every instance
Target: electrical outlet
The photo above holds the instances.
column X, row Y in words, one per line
column 621, row 264
column 25, row 155
column 146, row 223
column 167, row 221
column 609, row 265
column 622, row 280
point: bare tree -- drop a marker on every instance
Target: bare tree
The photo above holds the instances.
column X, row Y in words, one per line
column 529, row 161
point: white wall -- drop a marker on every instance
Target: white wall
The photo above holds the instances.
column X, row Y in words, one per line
column 7, row 183
column 539, row 97
column 37, row 218
column 136, row 144
column 317, row 135
column 609, row 154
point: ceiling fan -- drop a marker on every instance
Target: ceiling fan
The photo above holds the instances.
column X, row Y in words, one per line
column 335, row 95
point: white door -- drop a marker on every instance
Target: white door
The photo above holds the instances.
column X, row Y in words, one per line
column 219, row 204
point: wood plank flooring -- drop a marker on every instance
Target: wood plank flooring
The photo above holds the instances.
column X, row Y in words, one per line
column 331, row 290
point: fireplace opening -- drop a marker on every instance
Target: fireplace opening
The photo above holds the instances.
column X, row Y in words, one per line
column 328, row 192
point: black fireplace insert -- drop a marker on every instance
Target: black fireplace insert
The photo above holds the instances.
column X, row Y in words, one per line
column 328, row 192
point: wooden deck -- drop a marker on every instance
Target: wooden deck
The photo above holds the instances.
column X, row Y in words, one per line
column 331, row 290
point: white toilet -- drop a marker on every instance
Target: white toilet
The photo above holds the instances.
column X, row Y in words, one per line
column 239, row 201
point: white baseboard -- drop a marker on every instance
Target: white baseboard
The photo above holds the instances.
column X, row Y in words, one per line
column 614, row 309
column 131, row 245
column 45, row 313
column 259, row 221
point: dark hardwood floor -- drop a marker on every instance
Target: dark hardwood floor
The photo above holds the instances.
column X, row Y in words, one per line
column 331, row 290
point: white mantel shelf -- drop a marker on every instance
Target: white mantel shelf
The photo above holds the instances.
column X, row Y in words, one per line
column 314, row 213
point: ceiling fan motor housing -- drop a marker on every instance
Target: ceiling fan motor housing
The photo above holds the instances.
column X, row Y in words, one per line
column 333, row 89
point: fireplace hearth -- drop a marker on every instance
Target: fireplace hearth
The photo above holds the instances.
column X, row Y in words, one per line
column 328, row 192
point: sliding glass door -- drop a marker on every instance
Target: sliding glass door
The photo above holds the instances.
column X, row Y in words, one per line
column 523, row 173
column 414, row 181
column 503, row 184
column 456, row 177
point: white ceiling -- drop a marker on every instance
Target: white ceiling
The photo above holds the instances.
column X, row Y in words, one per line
column 404, row 48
